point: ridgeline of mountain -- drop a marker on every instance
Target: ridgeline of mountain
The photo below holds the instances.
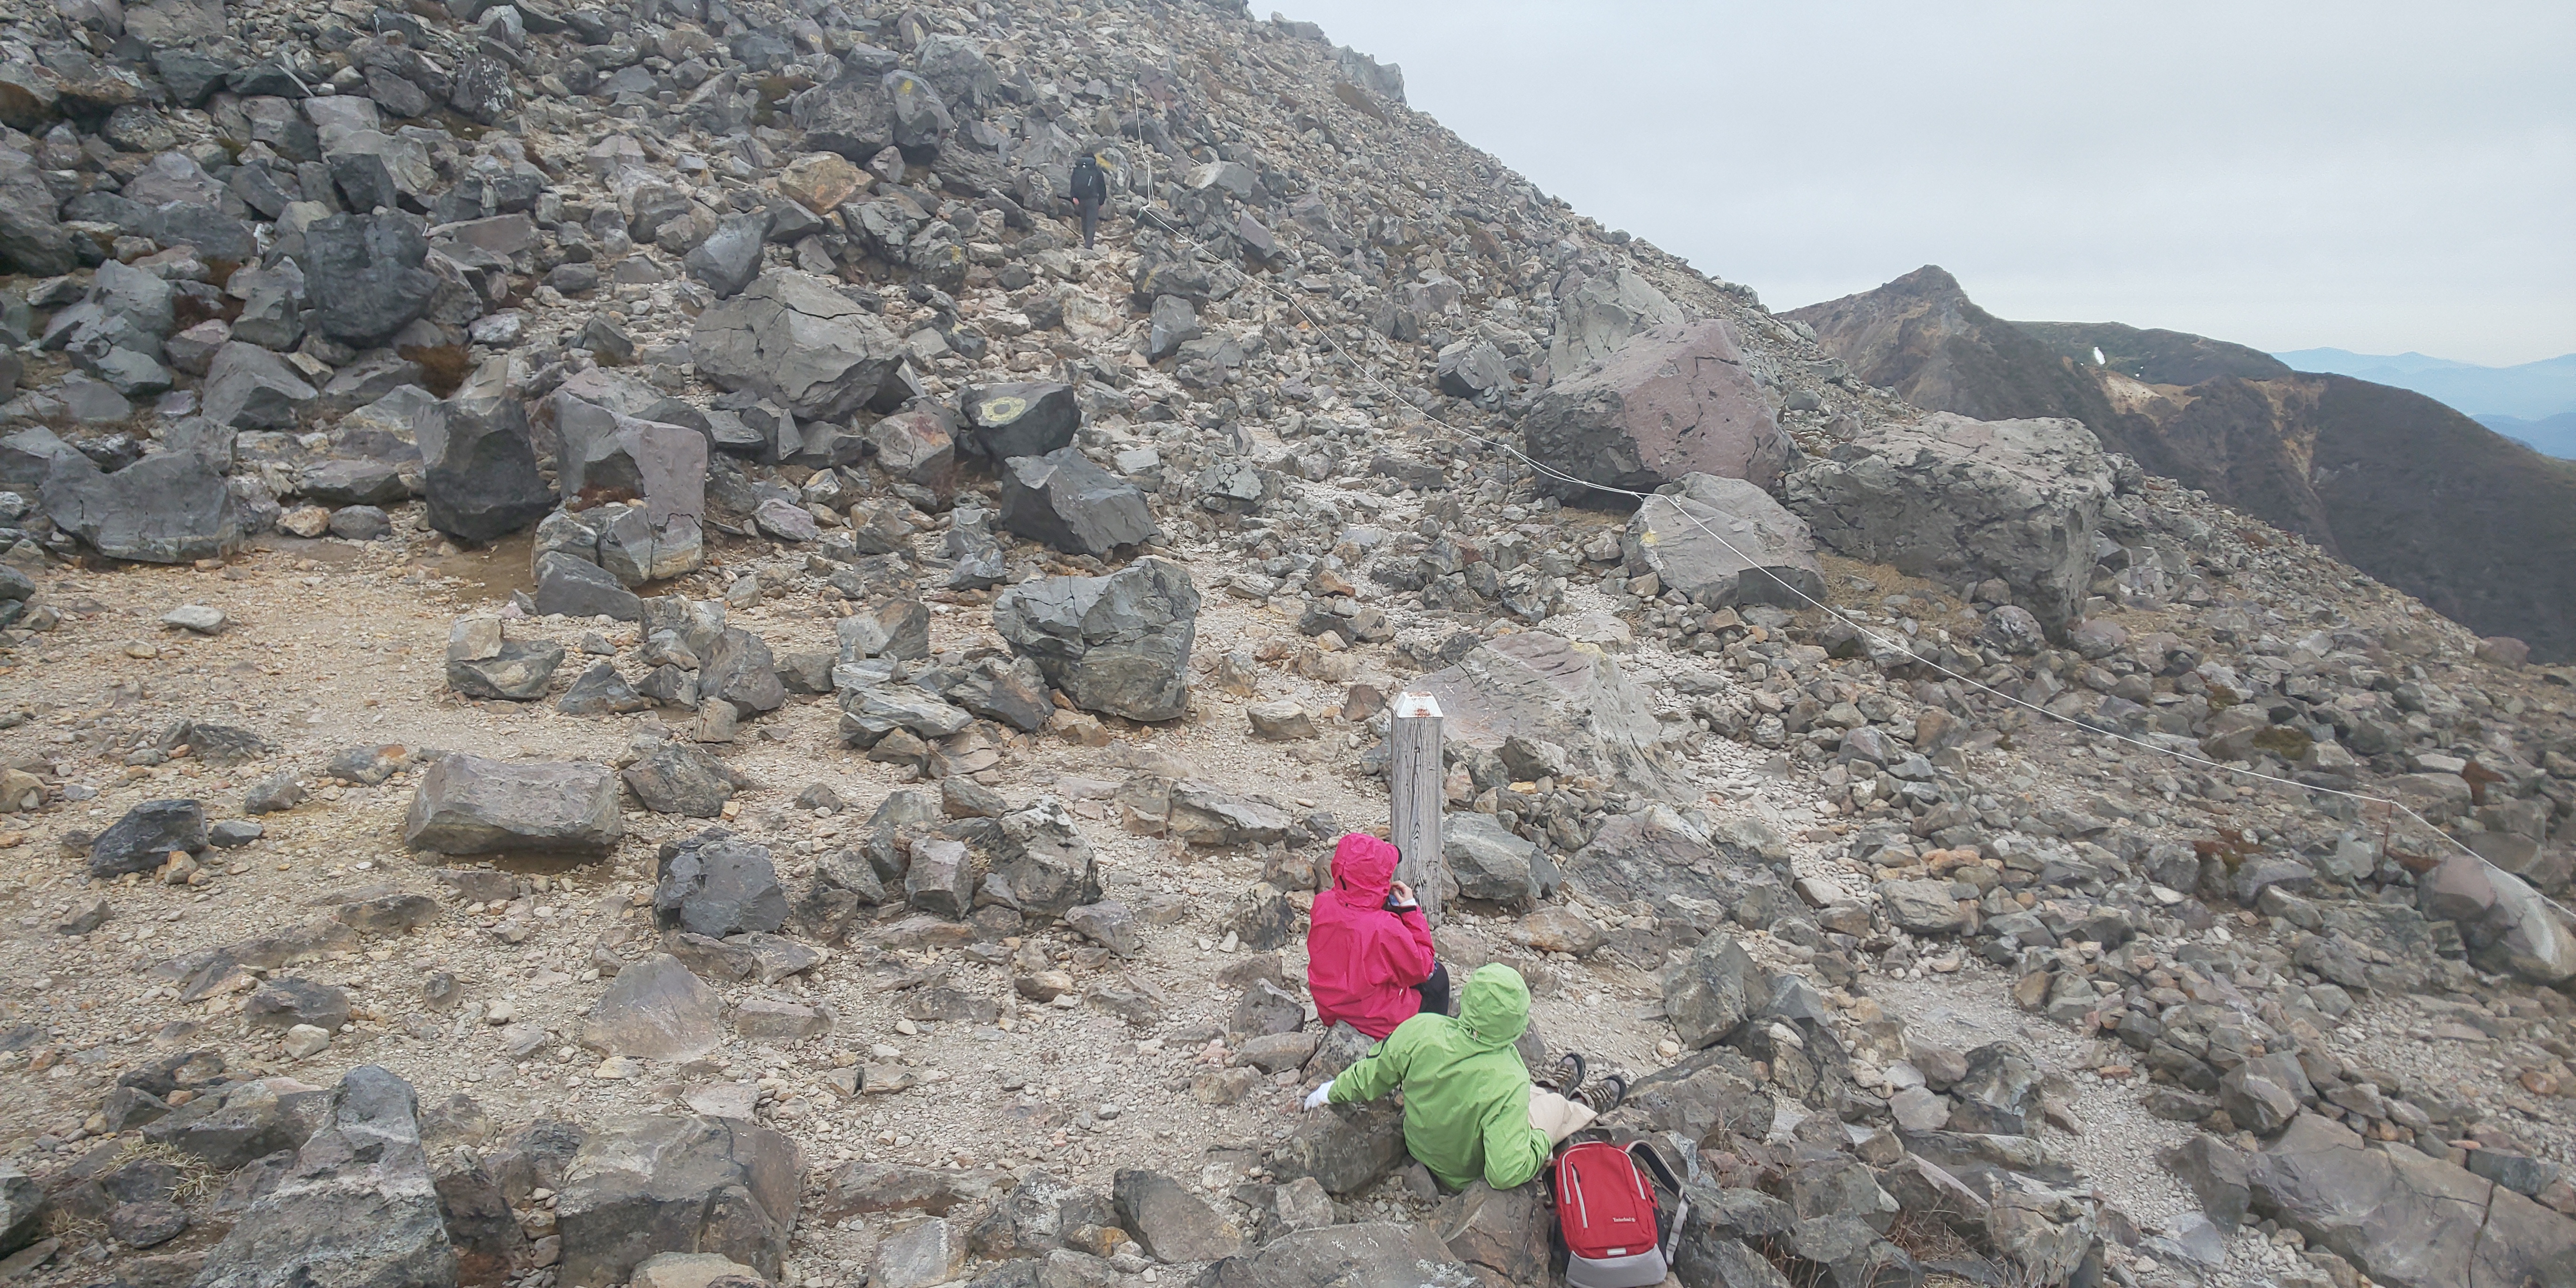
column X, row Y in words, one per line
column 2475, row 524
column 2527, row 391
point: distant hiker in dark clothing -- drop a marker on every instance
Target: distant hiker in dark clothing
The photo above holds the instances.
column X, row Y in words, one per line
column 1090, row 189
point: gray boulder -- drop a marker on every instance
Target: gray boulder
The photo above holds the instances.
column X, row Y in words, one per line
column 479, row 466
column 1172, row 1224
column 569, row 586
column 1959, row 500
column 32, row 238
column 741, row 670
column 655, row 1009
column 1602, row 313
column 1024, row 419
column 2405, row 1220
column 357, row 1209
column 1344, row 1147
column 1685, row 540
column 717, row 884
column 1671, row 401
column 1487, row 861
column 729, row 259
column 1538, row 687
column 1046, row 868
column 470, row 805
column 793, row 339
column 646, row 1185
column 166, row 508
column 1069, row 503
column 675, row 777
column 248, row 387
column 1714, row 992
column 1119, row 645
column 2509, row 927
column 608, row 456
column 146, row 836
column 1374, row 1254
column 365, row 275
column 941, row 877
column 512, row 671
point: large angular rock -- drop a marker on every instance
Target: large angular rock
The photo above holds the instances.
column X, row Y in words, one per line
column 1959, row 500
column 675, row 777
column 791, row 338
column 917, row 447
column 1118, row 645
column 146, row 836
column 851, row 115
column 741, row 670
column 1602, row 313
column 1376, row 1254
column 607, row 457
column 1724, row 542
column 479, row 466
column 2405, row 1220
column 1672, row 400
column 647, row 1185
column 1025, row 419
column 1344, row 1147
column 249, row 1120
column 365, row 275
column 1487, row 861
column 577, row 588
column 729, row 259
column 717, row 884
column 1653, row 852
column 1042, row 1214
column 1046, row 868
column 470, row 805
column 1069, row 503
column 22, row 1200
column 656, row 1009
column 1543, row 689
column 357, row 1209
column 1172, row 1224
column 2508, row 926
column 32, row 237
column 1713, row 992
column 169, row 507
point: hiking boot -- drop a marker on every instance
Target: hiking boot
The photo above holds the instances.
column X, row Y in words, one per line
column 1603, row 1096
column 1566, row 1076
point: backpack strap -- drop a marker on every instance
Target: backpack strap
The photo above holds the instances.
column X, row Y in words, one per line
column 1643, row 1151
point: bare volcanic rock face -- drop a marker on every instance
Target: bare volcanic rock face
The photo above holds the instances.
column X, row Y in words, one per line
column 1672, row 400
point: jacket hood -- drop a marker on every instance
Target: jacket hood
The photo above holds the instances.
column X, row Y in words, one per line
column 1363, row 866
column 1495, row 1006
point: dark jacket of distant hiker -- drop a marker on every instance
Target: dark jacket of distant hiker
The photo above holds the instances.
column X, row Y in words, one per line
column 1090, row 189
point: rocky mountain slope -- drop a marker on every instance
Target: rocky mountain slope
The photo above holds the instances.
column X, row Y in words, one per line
column 2403, row 487
column 624, row 665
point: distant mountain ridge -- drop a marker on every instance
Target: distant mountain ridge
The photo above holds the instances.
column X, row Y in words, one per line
column 2530, row 391
column 2481, row 528
column 2549, row 435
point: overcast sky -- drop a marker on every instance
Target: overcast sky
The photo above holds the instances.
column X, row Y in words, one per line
column 2371, row 176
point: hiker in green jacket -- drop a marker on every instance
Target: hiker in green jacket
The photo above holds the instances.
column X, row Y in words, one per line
column 1469, row 1107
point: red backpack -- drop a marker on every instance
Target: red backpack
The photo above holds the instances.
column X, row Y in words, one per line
column 1606, row 1213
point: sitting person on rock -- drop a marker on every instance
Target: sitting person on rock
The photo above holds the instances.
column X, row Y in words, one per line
column 1470, row 1109
column 1368, row 955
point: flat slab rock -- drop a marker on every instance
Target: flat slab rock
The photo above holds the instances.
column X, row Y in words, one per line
column 471, row 805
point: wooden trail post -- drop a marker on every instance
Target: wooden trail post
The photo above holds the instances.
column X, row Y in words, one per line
column 1414, row 778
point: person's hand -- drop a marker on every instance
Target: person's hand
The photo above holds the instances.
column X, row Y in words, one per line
column 1403, row 894
column 1315, row 1099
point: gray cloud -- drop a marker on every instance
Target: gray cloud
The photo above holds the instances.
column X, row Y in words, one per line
column 2372, row 176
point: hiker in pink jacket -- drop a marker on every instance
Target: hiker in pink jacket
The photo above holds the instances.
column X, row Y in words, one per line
column 1368, row 955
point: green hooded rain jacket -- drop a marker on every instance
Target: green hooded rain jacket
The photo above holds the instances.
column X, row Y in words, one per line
column 1466, row 1091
